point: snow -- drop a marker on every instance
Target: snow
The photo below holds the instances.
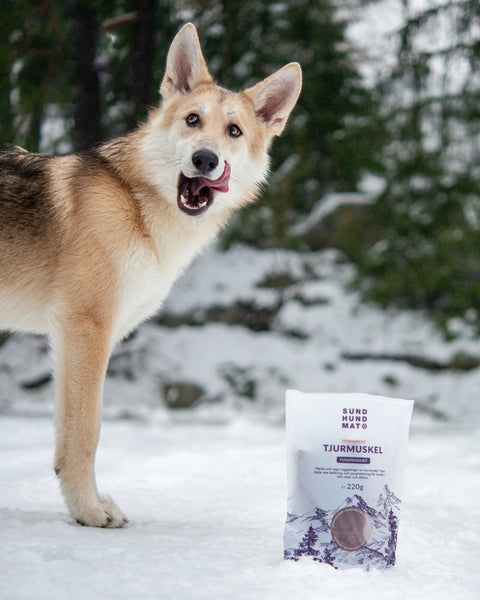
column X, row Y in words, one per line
column 205, row 488
column 206, row 505
column 328, row 205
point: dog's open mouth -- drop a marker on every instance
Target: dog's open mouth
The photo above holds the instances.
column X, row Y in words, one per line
column 195, row 195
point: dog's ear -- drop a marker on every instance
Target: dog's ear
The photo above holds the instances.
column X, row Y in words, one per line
column 185, row 63
column 275, row 97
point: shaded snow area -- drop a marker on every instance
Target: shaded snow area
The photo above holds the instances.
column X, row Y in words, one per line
column 193, row 447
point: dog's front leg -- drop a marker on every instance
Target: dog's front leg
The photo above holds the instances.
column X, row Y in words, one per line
column 82, row 347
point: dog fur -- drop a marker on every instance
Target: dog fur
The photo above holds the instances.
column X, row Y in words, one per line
column 92, row 242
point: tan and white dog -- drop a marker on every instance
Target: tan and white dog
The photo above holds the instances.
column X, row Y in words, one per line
column 91, row 243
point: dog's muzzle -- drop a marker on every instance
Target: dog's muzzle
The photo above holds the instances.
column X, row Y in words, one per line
column 196, row 194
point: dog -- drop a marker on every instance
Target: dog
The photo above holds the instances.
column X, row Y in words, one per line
column 91, row 243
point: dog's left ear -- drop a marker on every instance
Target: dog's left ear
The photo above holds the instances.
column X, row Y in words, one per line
column 185, row 63
column 275, row 97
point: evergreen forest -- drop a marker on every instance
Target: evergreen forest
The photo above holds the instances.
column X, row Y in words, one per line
column 74, row 73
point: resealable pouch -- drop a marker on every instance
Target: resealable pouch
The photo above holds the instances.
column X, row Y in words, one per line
column 346, row 458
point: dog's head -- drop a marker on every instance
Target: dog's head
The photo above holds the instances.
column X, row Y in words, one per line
column 206, row 148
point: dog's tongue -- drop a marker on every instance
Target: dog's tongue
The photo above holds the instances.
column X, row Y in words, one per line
column 219, row 185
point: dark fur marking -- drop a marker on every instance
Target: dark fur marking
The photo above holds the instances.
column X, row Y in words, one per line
column 24, row 193
column 95, row 162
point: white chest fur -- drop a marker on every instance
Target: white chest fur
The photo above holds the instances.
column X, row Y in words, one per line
column 148, row 275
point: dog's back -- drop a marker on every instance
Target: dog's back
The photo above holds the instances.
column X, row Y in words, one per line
column 24, row 198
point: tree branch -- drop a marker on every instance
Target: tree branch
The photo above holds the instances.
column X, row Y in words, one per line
column 120, row 21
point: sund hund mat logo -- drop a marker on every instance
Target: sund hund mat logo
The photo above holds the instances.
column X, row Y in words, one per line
column 354, row 418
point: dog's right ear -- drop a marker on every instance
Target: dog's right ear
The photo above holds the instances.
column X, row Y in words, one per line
column 185, row 63
column 275, row 97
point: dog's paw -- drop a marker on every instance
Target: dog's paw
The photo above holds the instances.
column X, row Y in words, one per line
column 104, row 513
column 112, row 509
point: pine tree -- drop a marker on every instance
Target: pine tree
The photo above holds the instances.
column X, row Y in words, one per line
column 307, row 545
column 392, row 540
column 428, row 217
column 328, row 557
column 33, row 68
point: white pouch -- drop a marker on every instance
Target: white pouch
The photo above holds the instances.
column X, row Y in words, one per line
column 345, row 464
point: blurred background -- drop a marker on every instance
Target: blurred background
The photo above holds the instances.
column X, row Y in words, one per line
column 380, row 162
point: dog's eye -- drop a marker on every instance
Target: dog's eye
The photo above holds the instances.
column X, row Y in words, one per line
column 234, row 131
column 193, row 120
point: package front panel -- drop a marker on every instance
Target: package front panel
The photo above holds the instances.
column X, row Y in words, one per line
column 346, row 455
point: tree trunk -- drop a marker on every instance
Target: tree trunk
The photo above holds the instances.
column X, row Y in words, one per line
column 86, row 84
column 143, row 48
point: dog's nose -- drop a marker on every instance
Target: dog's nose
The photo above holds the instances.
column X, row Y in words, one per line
column 204, row 160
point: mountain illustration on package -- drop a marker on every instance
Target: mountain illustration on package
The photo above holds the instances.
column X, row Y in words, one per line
column 344, row 490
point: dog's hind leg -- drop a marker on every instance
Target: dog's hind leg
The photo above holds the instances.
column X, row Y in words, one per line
column 81, row 347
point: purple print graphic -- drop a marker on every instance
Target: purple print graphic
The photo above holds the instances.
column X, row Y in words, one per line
column 307, row 545
column 376, row 548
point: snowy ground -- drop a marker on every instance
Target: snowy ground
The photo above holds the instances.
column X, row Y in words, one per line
column 204, row 487
column 206, row 505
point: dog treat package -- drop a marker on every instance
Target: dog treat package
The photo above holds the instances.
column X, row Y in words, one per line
column 345, row 464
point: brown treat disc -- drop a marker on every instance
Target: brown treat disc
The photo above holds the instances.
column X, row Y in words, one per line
column 350, row 528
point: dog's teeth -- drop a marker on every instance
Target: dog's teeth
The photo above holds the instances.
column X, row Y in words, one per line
column 193, row 206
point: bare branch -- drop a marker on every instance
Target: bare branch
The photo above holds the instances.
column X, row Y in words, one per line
column 119, row 21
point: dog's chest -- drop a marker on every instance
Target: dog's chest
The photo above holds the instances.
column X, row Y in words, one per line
column 147, row 278
column 145, row 284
